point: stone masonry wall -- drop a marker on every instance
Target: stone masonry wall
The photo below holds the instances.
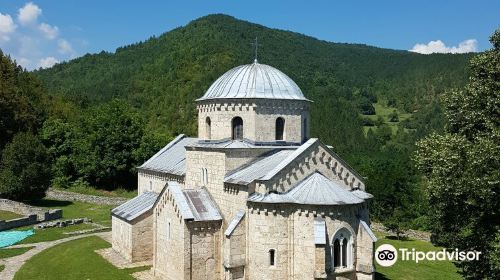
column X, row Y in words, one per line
column 259, row 118
column 154, row 181
column 142, row 238
column 122, row 237
column 229, row 199
column 317, row 159
column 170, row 240
column 205, row 250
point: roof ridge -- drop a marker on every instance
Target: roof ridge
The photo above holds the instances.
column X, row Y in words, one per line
column 168, row 146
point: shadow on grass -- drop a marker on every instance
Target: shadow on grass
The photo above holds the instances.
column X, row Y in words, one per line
column 380, row 276
column 50, row 203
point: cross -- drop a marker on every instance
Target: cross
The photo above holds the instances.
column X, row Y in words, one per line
column 256, row 45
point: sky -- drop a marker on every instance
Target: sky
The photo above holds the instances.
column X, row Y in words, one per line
column 40, row 33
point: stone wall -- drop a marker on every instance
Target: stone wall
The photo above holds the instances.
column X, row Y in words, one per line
column 94, row 199
column 315, row 158
column 229, row 198
column 152, row 181
column 32, row 214
column 289, row 230
column 142, row 238
column 170, row 240
column 235, row 252
column 122, row 237
column 19, row 222
column 205, row 257
column 259, row 118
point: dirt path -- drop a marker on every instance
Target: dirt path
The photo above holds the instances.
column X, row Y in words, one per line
column 12, row 265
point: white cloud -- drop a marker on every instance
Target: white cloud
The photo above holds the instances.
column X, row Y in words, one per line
column 29, row 13
column 7, row 26
column 64, row 47
column 439, row 47
column 50, row 32
column 47, row 62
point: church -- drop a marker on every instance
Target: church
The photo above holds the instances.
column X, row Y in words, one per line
column 252, row 197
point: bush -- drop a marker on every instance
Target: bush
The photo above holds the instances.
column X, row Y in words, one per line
column 24, row 169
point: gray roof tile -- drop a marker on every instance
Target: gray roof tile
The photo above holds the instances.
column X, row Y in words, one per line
column 234, row 223
column 313, row 190
column 136, row 206
column 362, row 194
column 172, row 158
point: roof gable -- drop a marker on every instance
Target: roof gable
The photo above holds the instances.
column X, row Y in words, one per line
column 135, row 207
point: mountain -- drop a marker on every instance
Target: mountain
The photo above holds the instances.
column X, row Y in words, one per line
column 163, row 75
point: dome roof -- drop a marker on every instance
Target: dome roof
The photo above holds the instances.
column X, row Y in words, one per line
column 254, row 81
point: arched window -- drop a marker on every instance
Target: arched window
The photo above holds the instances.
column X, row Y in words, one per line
column 342, row 249
column 280, row 128
column 208, row 129
column 272, row 257
column 304, row 130
column 237, row 125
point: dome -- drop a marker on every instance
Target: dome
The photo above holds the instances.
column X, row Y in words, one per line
column 254, row 81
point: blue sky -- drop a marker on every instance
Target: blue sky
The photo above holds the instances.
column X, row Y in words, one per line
column 43, row 32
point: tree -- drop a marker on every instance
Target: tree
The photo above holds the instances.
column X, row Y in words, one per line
column 24, row 172
column 394, row 117
column 462, row 166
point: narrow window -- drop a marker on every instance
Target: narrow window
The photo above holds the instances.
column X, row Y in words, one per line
column 168, row 230
column 237, row 125
column 205, row 176
column 336, row 253
column 150, row 185
column 304, row 133
column 344, row 252
column 208, row 128
column 272, row 257
column 280, row 128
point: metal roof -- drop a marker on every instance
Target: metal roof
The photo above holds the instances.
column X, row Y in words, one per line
column 319, row 231
column 289, row 158
column 202, row 206
column 234, row 223
column 368, row 230
column 257, row 169
column 181, row 201
column 136, row 206
column 172, row 158
column 316, row 189
column 194, row 204
column 362, row 194
column 254, row 81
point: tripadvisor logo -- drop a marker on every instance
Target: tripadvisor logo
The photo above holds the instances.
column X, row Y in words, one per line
column 387, row 255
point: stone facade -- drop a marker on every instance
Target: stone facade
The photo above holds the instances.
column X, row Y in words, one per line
column 259, row 119
column 133, row 240
column 250, row 239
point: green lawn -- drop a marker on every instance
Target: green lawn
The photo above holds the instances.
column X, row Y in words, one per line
column 6, row 215
column 74, row 209
column 410, row 270
column 9, row 253
column 71, row 209
column 42, row 235
column 73, row 260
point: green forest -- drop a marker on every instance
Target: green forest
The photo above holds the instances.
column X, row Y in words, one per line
column 92, row 120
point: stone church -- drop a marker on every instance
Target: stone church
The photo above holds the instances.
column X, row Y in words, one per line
column 253, row 197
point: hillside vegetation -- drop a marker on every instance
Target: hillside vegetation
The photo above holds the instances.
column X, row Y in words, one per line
column 148, row 90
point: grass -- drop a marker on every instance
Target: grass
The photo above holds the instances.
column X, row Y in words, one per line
column 76, row 209
column 12, row 252
column 6, row 215
column 2, row 267
column 93, row 191
column 410, row 270
column 73, row 260
column 384, row 111
column 50, row 234
column 71, row 209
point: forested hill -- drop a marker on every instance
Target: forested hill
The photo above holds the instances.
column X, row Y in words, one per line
column 164, row 75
